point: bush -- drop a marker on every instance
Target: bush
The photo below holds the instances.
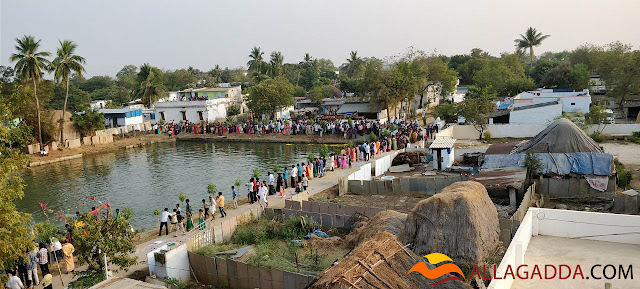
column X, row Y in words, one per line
column 233, row 110
column 624, row 176
column 249, row 234
column 212, row 189
column 373, row 137
column 598, row 137
column 487, row 135
column 324, row 151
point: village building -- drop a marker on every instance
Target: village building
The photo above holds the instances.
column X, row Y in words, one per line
column 442, row 150
column 540, row 106
column 198, row 104
column 367, row 110
column 115, row 117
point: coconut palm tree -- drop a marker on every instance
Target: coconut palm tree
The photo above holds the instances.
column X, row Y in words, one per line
column 277, row 60
column 256, row 59
column 30, row 65
column 354, row 64
column 65, row 63
column 150, row 84
column 307, row 57
column 530, row 39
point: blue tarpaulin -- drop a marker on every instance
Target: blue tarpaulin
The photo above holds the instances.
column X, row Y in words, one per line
column 556, row 163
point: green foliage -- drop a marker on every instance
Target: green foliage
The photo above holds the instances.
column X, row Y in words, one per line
column 112, row 236
column 373, row 137
column 86, row 279
column 478, row 105
column 276, row 169
column 324, row 151
column 598, row 137
column 45, row 231
column 311, row 157
column 564, row 75
column 446, row 111
column 596, row 115
column 156, row 212
column 88, row 122
column 578, row 119
column 530, row 39
column 237, row 183
column 212, row 189
column 150, row 84
column 270, row 95
column 486, row 135
column 181, row 197
column 532, row 163
column 256, row 173
column 233, row 110
column 624, row 176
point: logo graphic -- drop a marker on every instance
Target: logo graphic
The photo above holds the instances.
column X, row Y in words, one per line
column 436, row 258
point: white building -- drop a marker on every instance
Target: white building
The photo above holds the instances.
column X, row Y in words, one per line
column 115, row 117
column 98, row 104
column 572, row 101
column 233, row 93
column 443, row 154
column 192, row 110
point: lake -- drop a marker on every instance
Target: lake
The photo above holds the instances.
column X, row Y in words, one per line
column 151, row 177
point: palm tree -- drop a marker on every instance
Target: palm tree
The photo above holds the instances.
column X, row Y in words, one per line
column 256, row 59
column 30, row 64
column 530, row 39
column 307, row 57
column 276, row 63
column 150, row 84
column 354, row 63
column 66, row 63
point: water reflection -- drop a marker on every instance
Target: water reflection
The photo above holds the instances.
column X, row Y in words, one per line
column 151, row 177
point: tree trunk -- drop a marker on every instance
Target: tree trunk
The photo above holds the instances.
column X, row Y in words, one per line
column 64, row 111
column 35, row 95
column 421, row 98
column 531, row 54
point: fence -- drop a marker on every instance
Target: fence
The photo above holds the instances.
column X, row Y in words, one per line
column 404, row 185
column 228, row 273
column 327, row 215
column 574, row 187
column 524, row 205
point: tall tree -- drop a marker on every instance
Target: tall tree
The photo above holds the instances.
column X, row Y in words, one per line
column 307, row 57
column 150, row 84
column 256, row 59
column 30, row 65
column 530, row 39
column 619, row 67
column 277, row 60
column 270, row 95
column 477, row 106
column 353, row 67
column 64, row 64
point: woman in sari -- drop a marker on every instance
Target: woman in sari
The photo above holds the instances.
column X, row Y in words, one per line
column 189, row 222
column 201, row 224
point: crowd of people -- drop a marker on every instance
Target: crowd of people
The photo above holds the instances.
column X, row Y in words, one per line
column 184, row 222
column 339, row 127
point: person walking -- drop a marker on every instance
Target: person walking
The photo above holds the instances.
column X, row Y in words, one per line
column 189, row 221
column 234, row 197
column 32, row 268
column 271, row 182
column 305, row 182
column 43, row 257
column 14, row 282
column 180, row 224
column 221, row 205
column 201, row 223
column 249, row 190
column 285, row 175
column 279, row 184
column 188, row 207
column 212, row 206
column 293, row 173
column 263, row 195
column 174, row 220
column 205, row 207
column 67, row 253
column 164, row 219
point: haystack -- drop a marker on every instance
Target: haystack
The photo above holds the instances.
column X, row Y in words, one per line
column 460, row 222
column 561, row 136
column 380, row 262
column 385, row 221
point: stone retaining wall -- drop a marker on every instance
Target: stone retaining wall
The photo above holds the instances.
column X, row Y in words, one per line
column 405, row 185
column 327, row 215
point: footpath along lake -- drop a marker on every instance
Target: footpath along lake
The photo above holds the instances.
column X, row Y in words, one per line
column 151, row 177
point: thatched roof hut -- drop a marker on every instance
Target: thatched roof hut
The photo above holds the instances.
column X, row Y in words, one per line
column 380, row 262
column 460, row 222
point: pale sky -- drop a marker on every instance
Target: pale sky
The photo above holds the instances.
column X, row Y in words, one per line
column 202, row 33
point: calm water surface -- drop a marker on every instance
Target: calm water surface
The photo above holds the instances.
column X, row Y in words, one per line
column 152, row 177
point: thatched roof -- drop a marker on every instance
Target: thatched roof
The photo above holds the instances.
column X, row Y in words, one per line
column 460, row 222
column 380, row 262
column 561, row 136
column 385, row 221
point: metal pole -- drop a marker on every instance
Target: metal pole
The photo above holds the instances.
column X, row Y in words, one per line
column 59, row 271
column 106, row 270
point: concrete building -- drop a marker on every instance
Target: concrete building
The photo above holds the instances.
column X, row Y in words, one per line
column 367, row 110
column 603, row 246
column 192, row 110
column 572, row 101
column 115, row 117
column 443, row 154
column 98, row 104
column 540, row 113
column 233, row 93
column 597, row 85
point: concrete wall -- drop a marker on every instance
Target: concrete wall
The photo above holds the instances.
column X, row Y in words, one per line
column 383, row 164
column 618, row 129
column 407, row 185
column 364, row 173
column 515, row 130
column 228, row 273
column 176, row 263
column 564, row 224
column 541, row 115
column 447, row 158
column 327, row 215
column 575, row 187
column 524, row 205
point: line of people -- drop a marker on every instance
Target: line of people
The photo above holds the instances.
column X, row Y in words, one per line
column 185, row 222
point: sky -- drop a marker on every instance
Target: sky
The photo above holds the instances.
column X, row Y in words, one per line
column 202, row 33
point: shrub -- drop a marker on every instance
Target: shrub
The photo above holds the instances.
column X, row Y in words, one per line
column 598, row 137
column 624, row 176
column 487, row 135
column 373, row 137
column 324, row 151
column 233, row 110
column 252, row 233
column 212, row 189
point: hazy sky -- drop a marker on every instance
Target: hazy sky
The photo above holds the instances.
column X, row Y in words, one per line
column 182, row 33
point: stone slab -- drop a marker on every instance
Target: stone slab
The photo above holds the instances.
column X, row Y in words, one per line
column 327, row 221
column 341, row 209
column 315, row 207
column 254, row 276
column 333, row 208
column 212, row 271
column 338, row 221
column 287, row 204
column 317, row 217
column 269, row 213
column 243, row 275
column 295, row 205
column 278, row 214
column 302, row 281
column 324, row 208
column 232, row 273
column 289, row 280
column 380, row 188
column 277, row 279
column 355, row 187
column 223, row 275
column 395, row 186
column 306, row 206
column 289, row 214
column 373, row 188
column 265, row 278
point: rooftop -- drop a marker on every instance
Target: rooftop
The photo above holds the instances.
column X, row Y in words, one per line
column 207, row 89
column 442, row 143
column 125, row 283
column 117, row 110
column 501, row 179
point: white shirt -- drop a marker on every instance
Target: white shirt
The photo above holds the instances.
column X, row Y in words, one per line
column 14, row 283
column 164, row 216
column 272, row 180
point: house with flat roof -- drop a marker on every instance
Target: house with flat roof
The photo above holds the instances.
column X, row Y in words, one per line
column 233, row 93
column 557, row 249
column 115, row 117
column 198, row 104
column 572, row 101
column 367, row 110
